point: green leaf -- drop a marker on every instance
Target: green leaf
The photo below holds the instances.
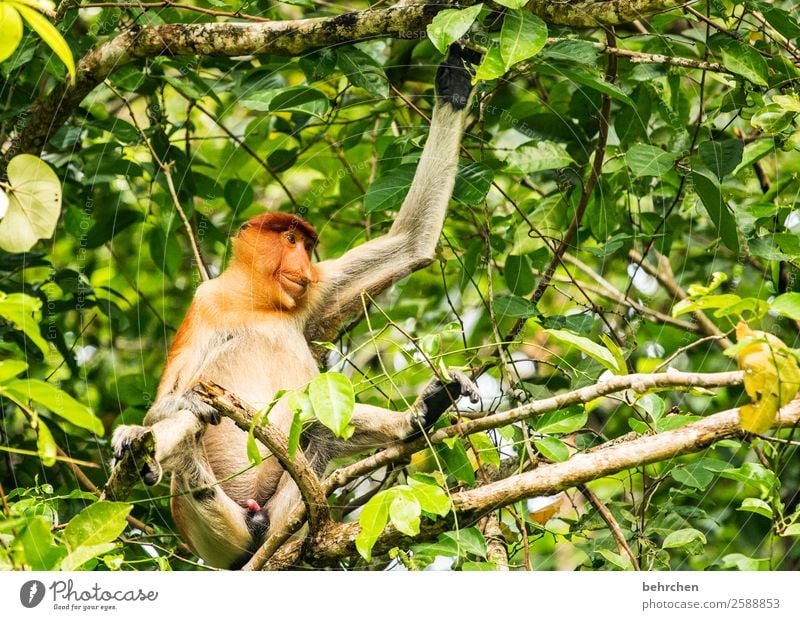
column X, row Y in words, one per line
column 432, row 498
column 585, row 77
column 791, row 102
column 721, row 157
column 772, row 119
column 456, row 461
column 485, row 450
column 512, row 306
column 530, row 158
column 478, row 566
column 742, row 59
column 450, row 25
column 84, row 553
column 681, row 538
column 238, row 194
column 552, row 448
column 45, row 444
column 572, row 50
column 519, row 275
column 404, row 512
column 300, row 404
column 34, row 204
column 588, row 347
column 560, row 422
column 362, row 71
column 469, row 540
column 754, row 152
column 300, row 99
column 522, row 36
column 717, row 210
column 373, row 518
column 332, row 397
column 792, row 530
column 48, row 34
column 389, row 190
column 647, row 160
column 512, row 4
column 492, row 66
column 782, row 21
column 758, row 506
column 472, row 183
column 788, row 305
column 10, row 30
column 41, row 553
column 57, row 401
column 705, row 303
column 23, row 313
column 98, row 523
column 9, row 369
column 694, row 475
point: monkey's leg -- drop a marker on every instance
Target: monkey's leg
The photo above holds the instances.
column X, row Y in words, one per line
column 220, row 531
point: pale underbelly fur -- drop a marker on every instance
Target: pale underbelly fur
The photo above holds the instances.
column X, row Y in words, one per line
column 262, row 365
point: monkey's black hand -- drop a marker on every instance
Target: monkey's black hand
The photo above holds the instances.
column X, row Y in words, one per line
column 131, row 438
column 438, row 397
column 454, row 76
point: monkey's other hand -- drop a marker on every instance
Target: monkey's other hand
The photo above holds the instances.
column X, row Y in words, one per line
column 454, row 76
column 438, row 396
column 132, row 438
column 169, row 406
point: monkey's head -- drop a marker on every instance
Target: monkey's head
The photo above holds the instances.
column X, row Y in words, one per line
column 275, row 249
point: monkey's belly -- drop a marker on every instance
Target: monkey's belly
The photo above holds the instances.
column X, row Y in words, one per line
column 255, row 365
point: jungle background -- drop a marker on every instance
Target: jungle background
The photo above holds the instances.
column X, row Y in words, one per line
column 627, row 195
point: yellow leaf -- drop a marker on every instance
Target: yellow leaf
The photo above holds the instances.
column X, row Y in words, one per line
column 48, row 34
column 771, row 377
column 10, row 30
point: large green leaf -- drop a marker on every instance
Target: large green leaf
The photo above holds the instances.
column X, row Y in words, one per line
column 647, row 160
column 372, row 519
column 57, row 401
column 450, row 25
column 23, row 312
column 98, row 523
column 34, row 204
column 590, row 348
column 711, row 197
column 585, row 77
column 722, row 156
column 405, row 511
column 522, row 36
column 333, row 400
column 362, row 71
column 742, row 59
column 472, row 183
column 538, row 156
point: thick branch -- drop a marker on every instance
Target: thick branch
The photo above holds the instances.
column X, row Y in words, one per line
column 548, row 479
column 282, row 38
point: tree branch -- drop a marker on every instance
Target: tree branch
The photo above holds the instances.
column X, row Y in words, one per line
column 338, row 541
column 282, row 38
column 638, row 382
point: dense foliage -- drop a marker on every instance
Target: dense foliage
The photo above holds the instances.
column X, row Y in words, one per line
column 626, row 196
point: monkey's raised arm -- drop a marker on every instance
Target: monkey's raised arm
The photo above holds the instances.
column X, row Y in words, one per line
column 411, row 242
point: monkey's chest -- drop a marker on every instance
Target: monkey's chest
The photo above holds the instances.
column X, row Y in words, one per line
column 258, row 362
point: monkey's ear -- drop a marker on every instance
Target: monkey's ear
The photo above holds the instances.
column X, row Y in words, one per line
column 454, row 76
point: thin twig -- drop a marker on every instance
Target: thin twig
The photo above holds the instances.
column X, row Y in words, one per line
column 616, row 530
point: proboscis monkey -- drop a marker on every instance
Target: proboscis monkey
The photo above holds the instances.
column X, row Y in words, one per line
column 249, row 331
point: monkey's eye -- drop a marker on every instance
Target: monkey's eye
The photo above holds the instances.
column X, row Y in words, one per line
column 290, row 237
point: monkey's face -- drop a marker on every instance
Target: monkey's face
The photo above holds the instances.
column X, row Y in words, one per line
column 294, row 273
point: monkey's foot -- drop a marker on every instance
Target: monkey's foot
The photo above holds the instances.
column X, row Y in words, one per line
column 454, row 76
column 138, row 443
